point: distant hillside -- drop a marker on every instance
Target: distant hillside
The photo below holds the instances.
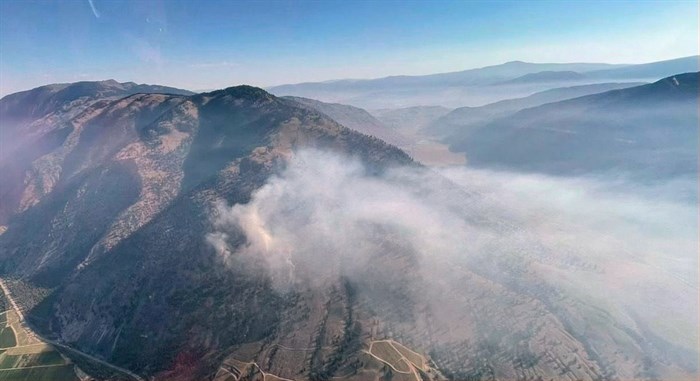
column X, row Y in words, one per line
column 454, row 89
column 461, row 120
column 51, row 98
column 474, row 87
column 354, row 118
column 405, row 133
column 484, row 75
column 649, row 131
column 653, row 70
column 545, row 76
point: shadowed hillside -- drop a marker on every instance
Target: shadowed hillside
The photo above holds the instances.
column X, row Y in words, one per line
column 649, row 131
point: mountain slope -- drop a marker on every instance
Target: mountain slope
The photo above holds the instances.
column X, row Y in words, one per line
column 354, row 118
column 650, row 130
column 132, row 185
column 34, row 123
column 405, row 136
column 36, row 103
column 650, row 71
column 460, row 120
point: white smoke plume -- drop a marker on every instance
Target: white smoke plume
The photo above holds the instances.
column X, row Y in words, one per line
column 628, row 248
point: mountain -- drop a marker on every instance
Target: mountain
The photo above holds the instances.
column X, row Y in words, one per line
column 34, row 123
column 461, row 120
column 546, row 76
column 649, row 130
column 649, row 71
column 42, row 101
column 354, row 118
column 453, row 89
column 475, row 87
column 484, row 75
column 108, row 252
column 406, row 136
column 235, row 235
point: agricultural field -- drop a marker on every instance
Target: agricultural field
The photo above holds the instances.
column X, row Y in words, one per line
column 51, row 373
column 7, row 337
column 23, row 357
column 414, row 358
column 384, row 351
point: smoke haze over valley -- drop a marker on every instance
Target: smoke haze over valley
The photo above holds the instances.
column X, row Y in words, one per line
column 620, row 246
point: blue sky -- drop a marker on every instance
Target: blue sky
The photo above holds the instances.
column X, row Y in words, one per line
column 214, row 44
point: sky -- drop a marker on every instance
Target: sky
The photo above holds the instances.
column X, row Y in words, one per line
column 201, row 45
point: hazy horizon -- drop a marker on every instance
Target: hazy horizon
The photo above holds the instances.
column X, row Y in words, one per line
column 220, row 44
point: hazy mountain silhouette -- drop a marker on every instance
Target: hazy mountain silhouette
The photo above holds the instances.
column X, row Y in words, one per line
column 652, row 70
column 461, row 119
column 648, row 130
column 546, row 76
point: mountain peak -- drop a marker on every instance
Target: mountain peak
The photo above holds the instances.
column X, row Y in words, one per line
column 516, row 63
column 242, row 91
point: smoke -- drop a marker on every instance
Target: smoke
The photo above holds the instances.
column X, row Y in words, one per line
column 624, row 247
column 322, row 216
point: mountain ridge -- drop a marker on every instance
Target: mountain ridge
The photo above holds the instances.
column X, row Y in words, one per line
column 649, row 131
column 129, row 173
column 474, row 87
column 467, row 117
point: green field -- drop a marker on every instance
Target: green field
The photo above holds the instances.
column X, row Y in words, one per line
column 4, row 305
column 7, row 338
column 52, row 373
column 30, row 360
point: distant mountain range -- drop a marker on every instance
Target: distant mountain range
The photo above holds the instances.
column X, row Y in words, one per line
column 546, row 76
column 648, row 131
column 653, row 70
column 464, row 118
column 480, row 76
column 465, row 88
